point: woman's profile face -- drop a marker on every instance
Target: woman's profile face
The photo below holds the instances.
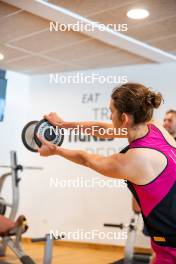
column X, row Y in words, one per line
column 114, row 115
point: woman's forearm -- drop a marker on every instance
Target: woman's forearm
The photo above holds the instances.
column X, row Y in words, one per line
column 107, row 166
column 94, row 128
column 77, row 156
column 88, row 124
column 98, row 129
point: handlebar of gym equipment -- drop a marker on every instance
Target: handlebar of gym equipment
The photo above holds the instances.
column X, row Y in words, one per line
column 15, row 168
column 47, row 236
column 121, row 226
column 21, row 167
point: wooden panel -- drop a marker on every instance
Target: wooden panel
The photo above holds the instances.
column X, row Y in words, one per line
column 27, row 63
column 88, row 7
column 19, row 25
column 54, row 68
column 159, row 9
column 115, row 11
column 112, row 59
column 69, row 51
column 81, row 50
column 6, row 9
column 45, row 41
column 11, row 54
column 115, row 16
column 167, row 44
column 153, row 31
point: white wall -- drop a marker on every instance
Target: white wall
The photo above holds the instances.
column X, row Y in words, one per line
column 28, row 98
column 16, row 112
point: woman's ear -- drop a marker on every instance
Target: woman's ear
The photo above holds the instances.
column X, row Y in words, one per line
column 126, row 120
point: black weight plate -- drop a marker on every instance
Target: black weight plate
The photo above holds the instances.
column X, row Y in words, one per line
column 27, row 136
column 43, row 129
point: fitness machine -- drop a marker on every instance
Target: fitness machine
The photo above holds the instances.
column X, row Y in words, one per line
column 48, row 246
column 131, row 257
column 11, row 230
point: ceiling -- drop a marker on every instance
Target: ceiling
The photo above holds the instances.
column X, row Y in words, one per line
column 30, row 47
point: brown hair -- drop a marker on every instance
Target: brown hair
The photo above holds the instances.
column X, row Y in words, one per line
column 171, row 111
column 137, row 100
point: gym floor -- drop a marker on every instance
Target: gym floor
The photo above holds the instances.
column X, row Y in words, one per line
column 71, row 253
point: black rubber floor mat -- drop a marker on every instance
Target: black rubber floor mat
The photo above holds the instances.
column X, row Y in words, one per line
column 121, row 262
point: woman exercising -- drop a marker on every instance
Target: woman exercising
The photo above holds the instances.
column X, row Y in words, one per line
column 149, row 164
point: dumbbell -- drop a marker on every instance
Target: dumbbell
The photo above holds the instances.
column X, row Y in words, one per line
column 44, row 129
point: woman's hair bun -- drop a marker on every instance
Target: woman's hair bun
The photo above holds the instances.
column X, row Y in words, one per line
column 153, row 99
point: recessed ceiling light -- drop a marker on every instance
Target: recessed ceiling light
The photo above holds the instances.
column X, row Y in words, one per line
column 1, row 56
column 137, row 13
